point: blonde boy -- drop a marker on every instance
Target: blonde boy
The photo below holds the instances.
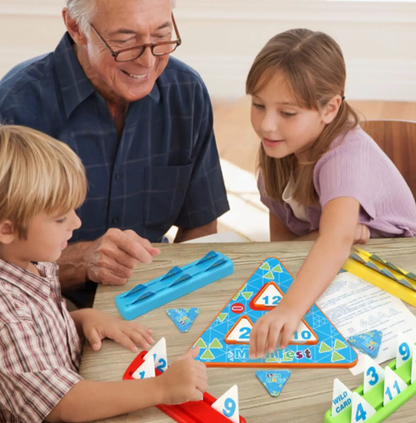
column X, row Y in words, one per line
column 42, row 182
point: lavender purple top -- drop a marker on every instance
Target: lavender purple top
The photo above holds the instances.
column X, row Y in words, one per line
column 356, row 167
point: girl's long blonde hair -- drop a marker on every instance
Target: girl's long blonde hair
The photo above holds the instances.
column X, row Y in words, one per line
column 314, row 67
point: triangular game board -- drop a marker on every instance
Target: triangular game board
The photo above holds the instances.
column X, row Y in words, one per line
column 273, row 381
column 367, row 342
column 183, row 317
column 316, row 343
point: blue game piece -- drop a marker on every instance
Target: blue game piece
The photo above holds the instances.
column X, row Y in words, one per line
column 273, row 381
column 407, row 284
column 183, row 317
column 176, row 283
column 367, row 342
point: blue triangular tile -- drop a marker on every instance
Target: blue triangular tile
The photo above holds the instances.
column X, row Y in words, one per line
column 183, row 317
column 407, row 284
column 367, row 342
column 273, row 381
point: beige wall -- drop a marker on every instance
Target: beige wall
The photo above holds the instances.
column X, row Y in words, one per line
column 221, row 38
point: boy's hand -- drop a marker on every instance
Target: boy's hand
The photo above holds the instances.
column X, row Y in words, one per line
column 184, row 380
column 97, row 325
column 279, row 322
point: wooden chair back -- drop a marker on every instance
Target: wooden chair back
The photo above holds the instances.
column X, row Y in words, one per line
column 397, row 138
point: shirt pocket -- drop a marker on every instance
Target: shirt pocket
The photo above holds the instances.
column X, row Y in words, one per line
column 22, row 309
column 166, row 188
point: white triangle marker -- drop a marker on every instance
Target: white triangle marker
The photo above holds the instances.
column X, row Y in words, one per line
column 404, row 349
column 393, row 385
column 160, row 356
column 413, row 379
column 227, row 405
column 302, row 334
column 146, row 370
column 341, row 398
column 241, row 332
column 361, row 409
column 373, row 374
column 270, row 297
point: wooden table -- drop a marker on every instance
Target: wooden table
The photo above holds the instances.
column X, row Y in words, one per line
column 308, row 393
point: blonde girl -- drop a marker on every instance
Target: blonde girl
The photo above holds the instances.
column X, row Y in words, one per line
column 321, row 176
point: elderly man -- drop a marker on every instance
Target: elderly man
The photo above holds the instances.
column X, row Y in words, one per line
column 140, row 120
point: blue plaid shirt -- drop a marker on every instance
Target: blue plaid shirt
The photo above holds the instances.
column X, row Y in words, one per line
column 163, row 171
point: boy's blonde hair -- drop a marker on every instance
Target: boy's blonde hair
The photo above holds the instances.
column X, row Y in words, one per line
column 38, row 174
column 314, row 67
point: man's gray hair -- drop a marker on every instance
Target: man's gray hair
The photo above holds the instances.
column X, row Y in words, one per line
column 82, row 11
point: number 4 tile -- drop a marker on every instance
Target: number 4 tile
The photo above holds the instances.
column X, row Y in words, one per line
column 361, row 409
column 227, row 405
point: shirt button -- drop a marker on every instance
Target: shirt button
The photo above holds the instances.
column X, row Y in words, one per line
column 117, row 176
column 115, row 220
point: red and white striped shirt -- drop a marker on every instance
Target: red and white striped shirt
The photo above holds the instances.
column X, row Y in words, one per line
column 40, row 349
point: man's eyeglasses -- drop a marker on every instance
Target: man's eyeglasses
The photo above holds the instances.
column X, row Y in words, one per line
column 132, row 53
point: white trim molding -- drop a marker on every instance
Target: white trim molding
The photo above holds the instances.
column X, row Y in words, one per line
column 222, row 37
column 31, row 7
column 376, row 37
column 298, row 10
column 270, row 10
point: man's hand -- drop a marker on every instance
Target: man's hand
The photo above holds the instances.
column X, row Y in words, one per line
column 111, row 259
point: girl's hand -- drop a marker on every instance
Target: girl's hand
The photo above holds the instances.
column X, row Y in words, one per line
column 280, row 322
column 97, row 325
column 362, row 234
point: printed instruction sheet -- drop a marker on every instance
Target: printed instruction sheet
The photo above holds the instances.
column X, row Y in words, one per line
column 355, row 306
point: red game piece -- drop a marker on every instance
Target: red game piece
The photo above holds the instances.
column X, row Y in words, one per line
column 188, row 412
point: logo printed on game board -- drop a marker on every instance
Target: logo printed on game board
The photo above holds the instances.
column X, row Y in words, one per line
column 316, row 342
